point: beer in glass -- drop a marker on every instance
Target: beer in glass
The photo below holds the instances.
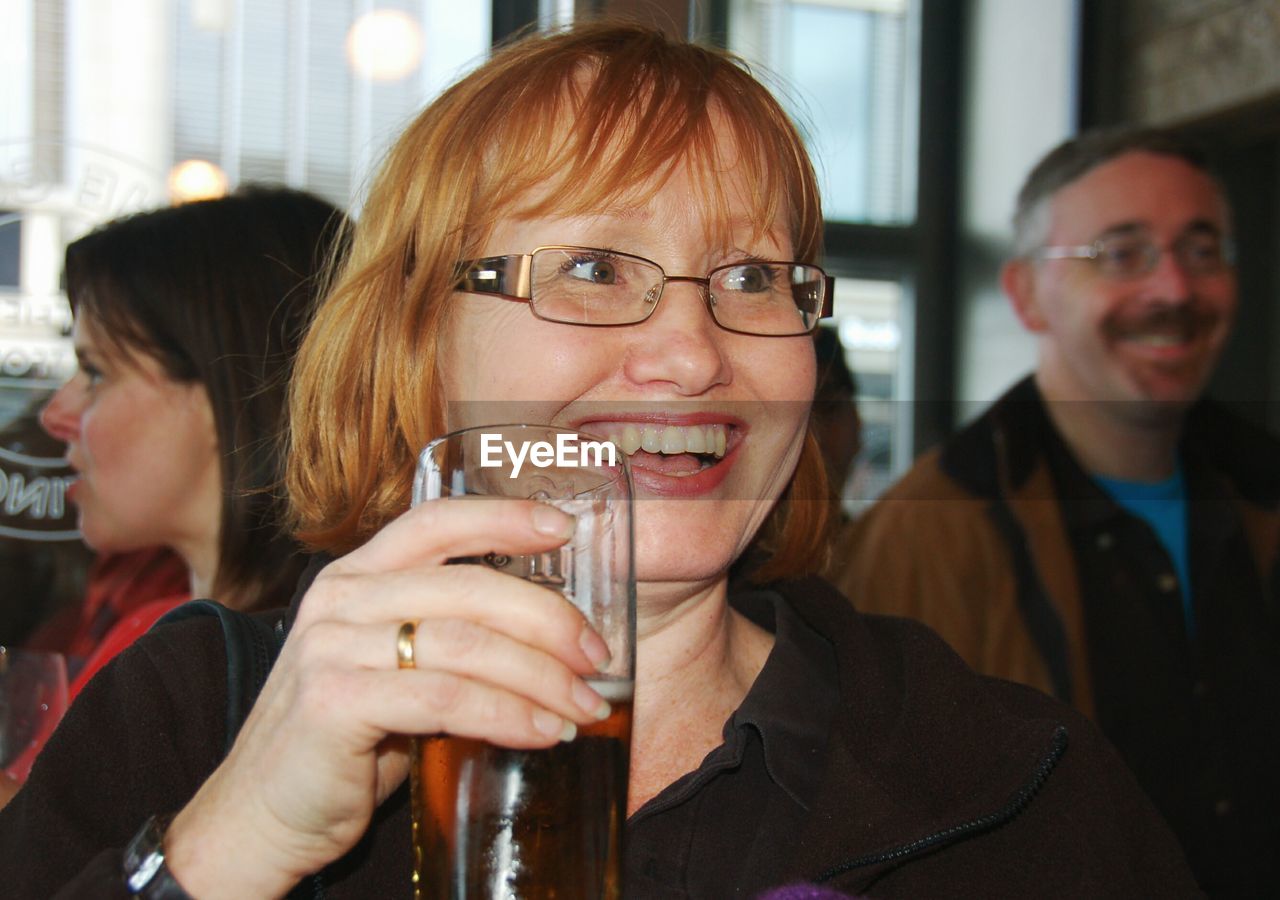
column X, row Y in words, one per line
column 492, row 822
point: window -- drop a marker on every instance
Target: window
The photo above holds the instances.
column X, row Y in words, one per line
column 868, row 320
column 849, row 73
column 10, row 242
column 311, row 94
column 103, row 113
column 845, row 69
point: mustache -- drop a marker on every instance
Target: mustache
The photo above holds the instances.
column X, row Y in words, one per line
column 1185, row 319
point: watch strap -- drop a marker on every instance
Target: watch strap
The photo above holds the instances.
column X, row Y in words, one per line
column 144, row 869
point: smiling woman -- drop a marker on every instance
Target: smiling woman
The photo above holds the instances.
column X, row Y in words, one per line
column 778, row 735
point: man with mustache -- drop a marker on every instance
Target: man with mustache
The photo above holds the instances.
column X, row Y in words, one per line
column 1102, row 533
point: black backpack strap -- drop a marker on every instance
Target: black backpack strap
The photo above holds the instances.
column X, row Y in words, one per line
column 252, row 645
column 252, row 642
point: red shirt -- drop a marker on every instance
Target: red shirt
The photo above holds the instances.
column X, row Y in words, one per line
column 118, row 585
column 126, row 594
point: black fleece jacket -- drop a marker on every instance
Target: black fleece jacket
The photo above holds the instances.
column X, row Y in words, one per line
column 937, row 782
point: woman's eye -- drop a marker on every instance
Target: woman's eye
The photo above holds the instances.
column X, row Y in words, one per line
column 596, row 271
column 92, row 375
column 749, row 279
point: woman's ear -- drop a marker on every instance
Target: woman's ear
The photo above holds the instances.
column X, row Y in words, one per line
column 1018, row 278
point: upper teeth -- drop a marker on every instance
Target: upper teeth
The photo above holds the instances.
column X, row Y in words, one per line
column 669, row 439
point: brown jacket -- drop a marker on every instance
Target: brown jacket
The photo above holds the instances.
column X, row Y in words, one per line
column 931, row 549
column 972, row 542
column 1002, row 543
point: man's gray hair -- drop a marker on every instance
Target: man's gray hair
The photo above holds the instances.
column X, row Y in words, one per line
column 1080, row 155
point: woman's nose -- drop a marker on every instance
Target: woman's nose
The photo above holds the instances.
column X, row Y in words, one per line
column 60, row 417
column 680, row 344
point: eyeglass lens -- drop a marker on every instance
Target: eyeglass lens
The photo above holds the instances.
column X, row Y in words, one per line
column 1126, row 255
column 600, row 287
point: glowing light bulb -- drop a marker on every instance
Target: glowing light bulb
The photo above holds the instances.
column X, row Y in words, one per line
column 196, row 179
column 384, row 45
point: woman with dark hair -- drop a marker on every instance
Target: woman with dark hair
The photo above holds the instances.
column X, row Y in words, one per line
column 614, row 232
column 187, row 320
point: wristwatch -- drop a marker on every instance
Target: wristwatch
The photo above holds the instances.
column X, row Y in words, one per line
column 145, row 872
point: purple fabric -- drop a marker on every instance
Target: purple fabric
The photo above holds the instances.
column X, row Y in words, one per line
column 804, row 892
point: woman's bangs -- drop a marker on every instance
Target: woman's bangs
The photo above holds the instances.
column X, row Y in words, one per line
column 578, row 135
column 102, row 305
column 540, row 166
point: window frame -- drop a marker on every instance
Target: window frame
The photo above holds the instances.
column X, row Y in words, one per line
column 921, row 255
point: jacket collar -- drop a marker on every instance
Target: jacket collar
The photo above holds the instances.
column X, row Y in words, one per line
column 1000, row 450
column 801, row 665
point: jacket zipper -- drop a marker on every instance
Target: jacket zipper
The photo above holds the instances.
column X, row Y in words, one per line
column 1015, row 805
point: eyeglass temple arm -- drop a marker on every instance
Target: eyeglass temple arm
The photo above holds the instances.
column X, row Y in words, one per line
column 1078, row 251
column 828, row 296
column 510, row 276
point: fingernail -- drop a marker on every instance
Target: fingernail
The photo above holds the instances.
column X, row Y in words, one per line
column 551, row 521
column 589, row 701
column 594, row 646
column 550, row 724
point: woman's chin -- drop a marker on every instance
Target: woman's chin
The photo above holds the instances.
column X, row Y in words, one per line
column 687, row 575
column 683, row 563
column 91, row 535
column 100, row 539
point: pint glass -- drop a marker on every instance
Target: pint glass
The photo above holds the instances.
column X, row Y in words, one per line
column 491, row 822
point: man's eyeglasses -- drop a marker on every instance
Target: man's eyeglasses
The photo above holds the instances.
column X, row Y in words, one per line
column 587, row 286
column 1134, row 254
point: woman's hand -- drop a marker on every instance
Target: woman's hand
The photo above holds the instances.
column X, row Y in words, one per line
column 497, row 658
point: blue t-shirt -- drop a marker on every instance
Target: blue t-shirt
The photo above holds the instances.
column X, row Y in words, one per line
column 1163, row 506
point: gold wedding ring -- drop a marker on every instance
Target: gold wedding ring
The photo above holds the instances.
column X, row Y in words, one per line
column 404, row 644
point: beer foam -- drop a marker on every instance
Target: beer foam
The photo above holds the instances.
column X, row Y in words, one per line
column 613, row 690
